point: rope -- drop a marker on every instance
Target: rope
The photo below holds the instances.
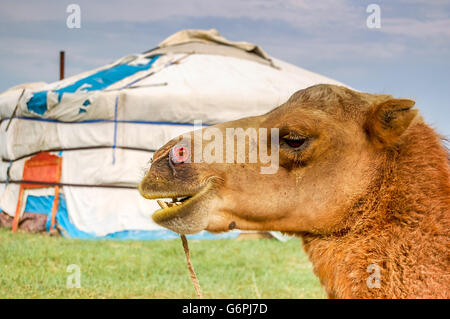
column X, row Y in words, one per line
column 81, row 148
column 39, row 119
column 188, row 258
column 190, row 267
column 66, row 184
column 15, row 111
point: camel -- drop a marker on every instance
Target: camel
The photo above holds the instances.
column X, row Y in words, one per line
column 361, row 179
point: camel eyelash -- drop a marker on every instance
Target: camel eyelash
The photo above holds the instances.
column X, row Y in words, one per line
column 294, row 140
column 293, row 145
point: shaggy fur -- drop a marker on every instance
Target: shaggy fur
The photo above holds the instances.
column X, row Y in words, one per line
column 401, row 225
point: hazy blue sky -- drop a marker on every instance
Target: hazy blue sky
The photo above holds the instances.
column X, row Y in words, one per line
column 409, row 56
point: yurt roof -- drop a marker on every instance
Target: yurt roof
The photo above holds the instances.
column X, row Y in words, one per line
column 192, row 75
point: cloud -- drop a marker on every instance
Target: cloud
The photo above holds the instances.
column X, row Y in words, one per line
column 409, row 54
column 145, row 11
column 320, row 18
column 430, row 29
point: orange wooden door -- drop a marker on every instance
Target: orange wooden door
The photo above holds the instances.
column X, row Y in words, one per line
column 45, row 168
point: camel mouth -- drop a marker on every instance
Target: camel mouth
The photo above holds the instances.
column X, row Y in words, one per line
column 187, row 213
column 171, row 209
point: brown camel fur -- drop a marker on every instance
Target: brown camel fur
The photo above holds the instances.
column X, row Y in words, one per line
column 362, row 180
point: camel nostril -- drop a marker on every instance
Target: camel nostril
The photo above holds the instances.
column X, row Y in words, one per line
column 179, row 154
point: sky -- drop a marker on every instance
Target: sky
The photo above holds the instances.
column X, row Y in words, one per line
column 408, row 56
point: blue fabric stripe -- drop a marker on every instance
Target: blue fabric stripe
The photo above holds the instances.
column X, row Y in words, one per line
column 115, row 131
column 97, row 81
column 43, row 205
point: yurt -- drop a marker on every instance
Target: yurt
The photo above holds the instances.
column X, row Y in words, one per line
column 73, row 151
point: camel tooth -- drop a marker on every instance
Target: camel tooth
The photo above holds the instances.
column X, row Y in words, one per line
column 171, row 204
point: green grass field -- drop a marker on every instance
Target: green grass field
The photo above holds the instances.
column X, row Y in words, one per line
column 35, row 266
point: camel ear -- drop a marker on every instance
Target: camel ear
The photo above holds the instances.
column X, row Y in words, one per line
column 388, row 120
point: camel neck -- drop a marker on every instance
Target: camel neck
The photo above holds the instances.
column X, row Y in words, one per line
column 389, row 227
column 411, row 182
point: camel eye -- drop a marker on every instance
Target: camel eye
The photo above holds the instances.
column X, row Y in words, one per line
column 179, row 154
column 294, row 142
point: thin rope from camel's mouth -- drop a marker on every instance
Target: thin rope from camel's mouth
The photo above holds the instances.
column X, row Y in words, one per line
column 184, row 241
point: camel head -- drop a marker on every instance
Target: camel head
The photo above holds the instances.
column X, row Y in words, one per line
column 297, row 168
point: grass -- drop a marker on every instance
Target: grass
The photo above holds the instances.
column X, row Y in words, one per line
column 35, row 266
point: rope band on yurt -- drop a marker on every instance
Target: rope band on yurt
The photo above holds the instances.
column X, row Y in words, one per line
column 66, row 184
column 81, row 148
column 15, row 110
